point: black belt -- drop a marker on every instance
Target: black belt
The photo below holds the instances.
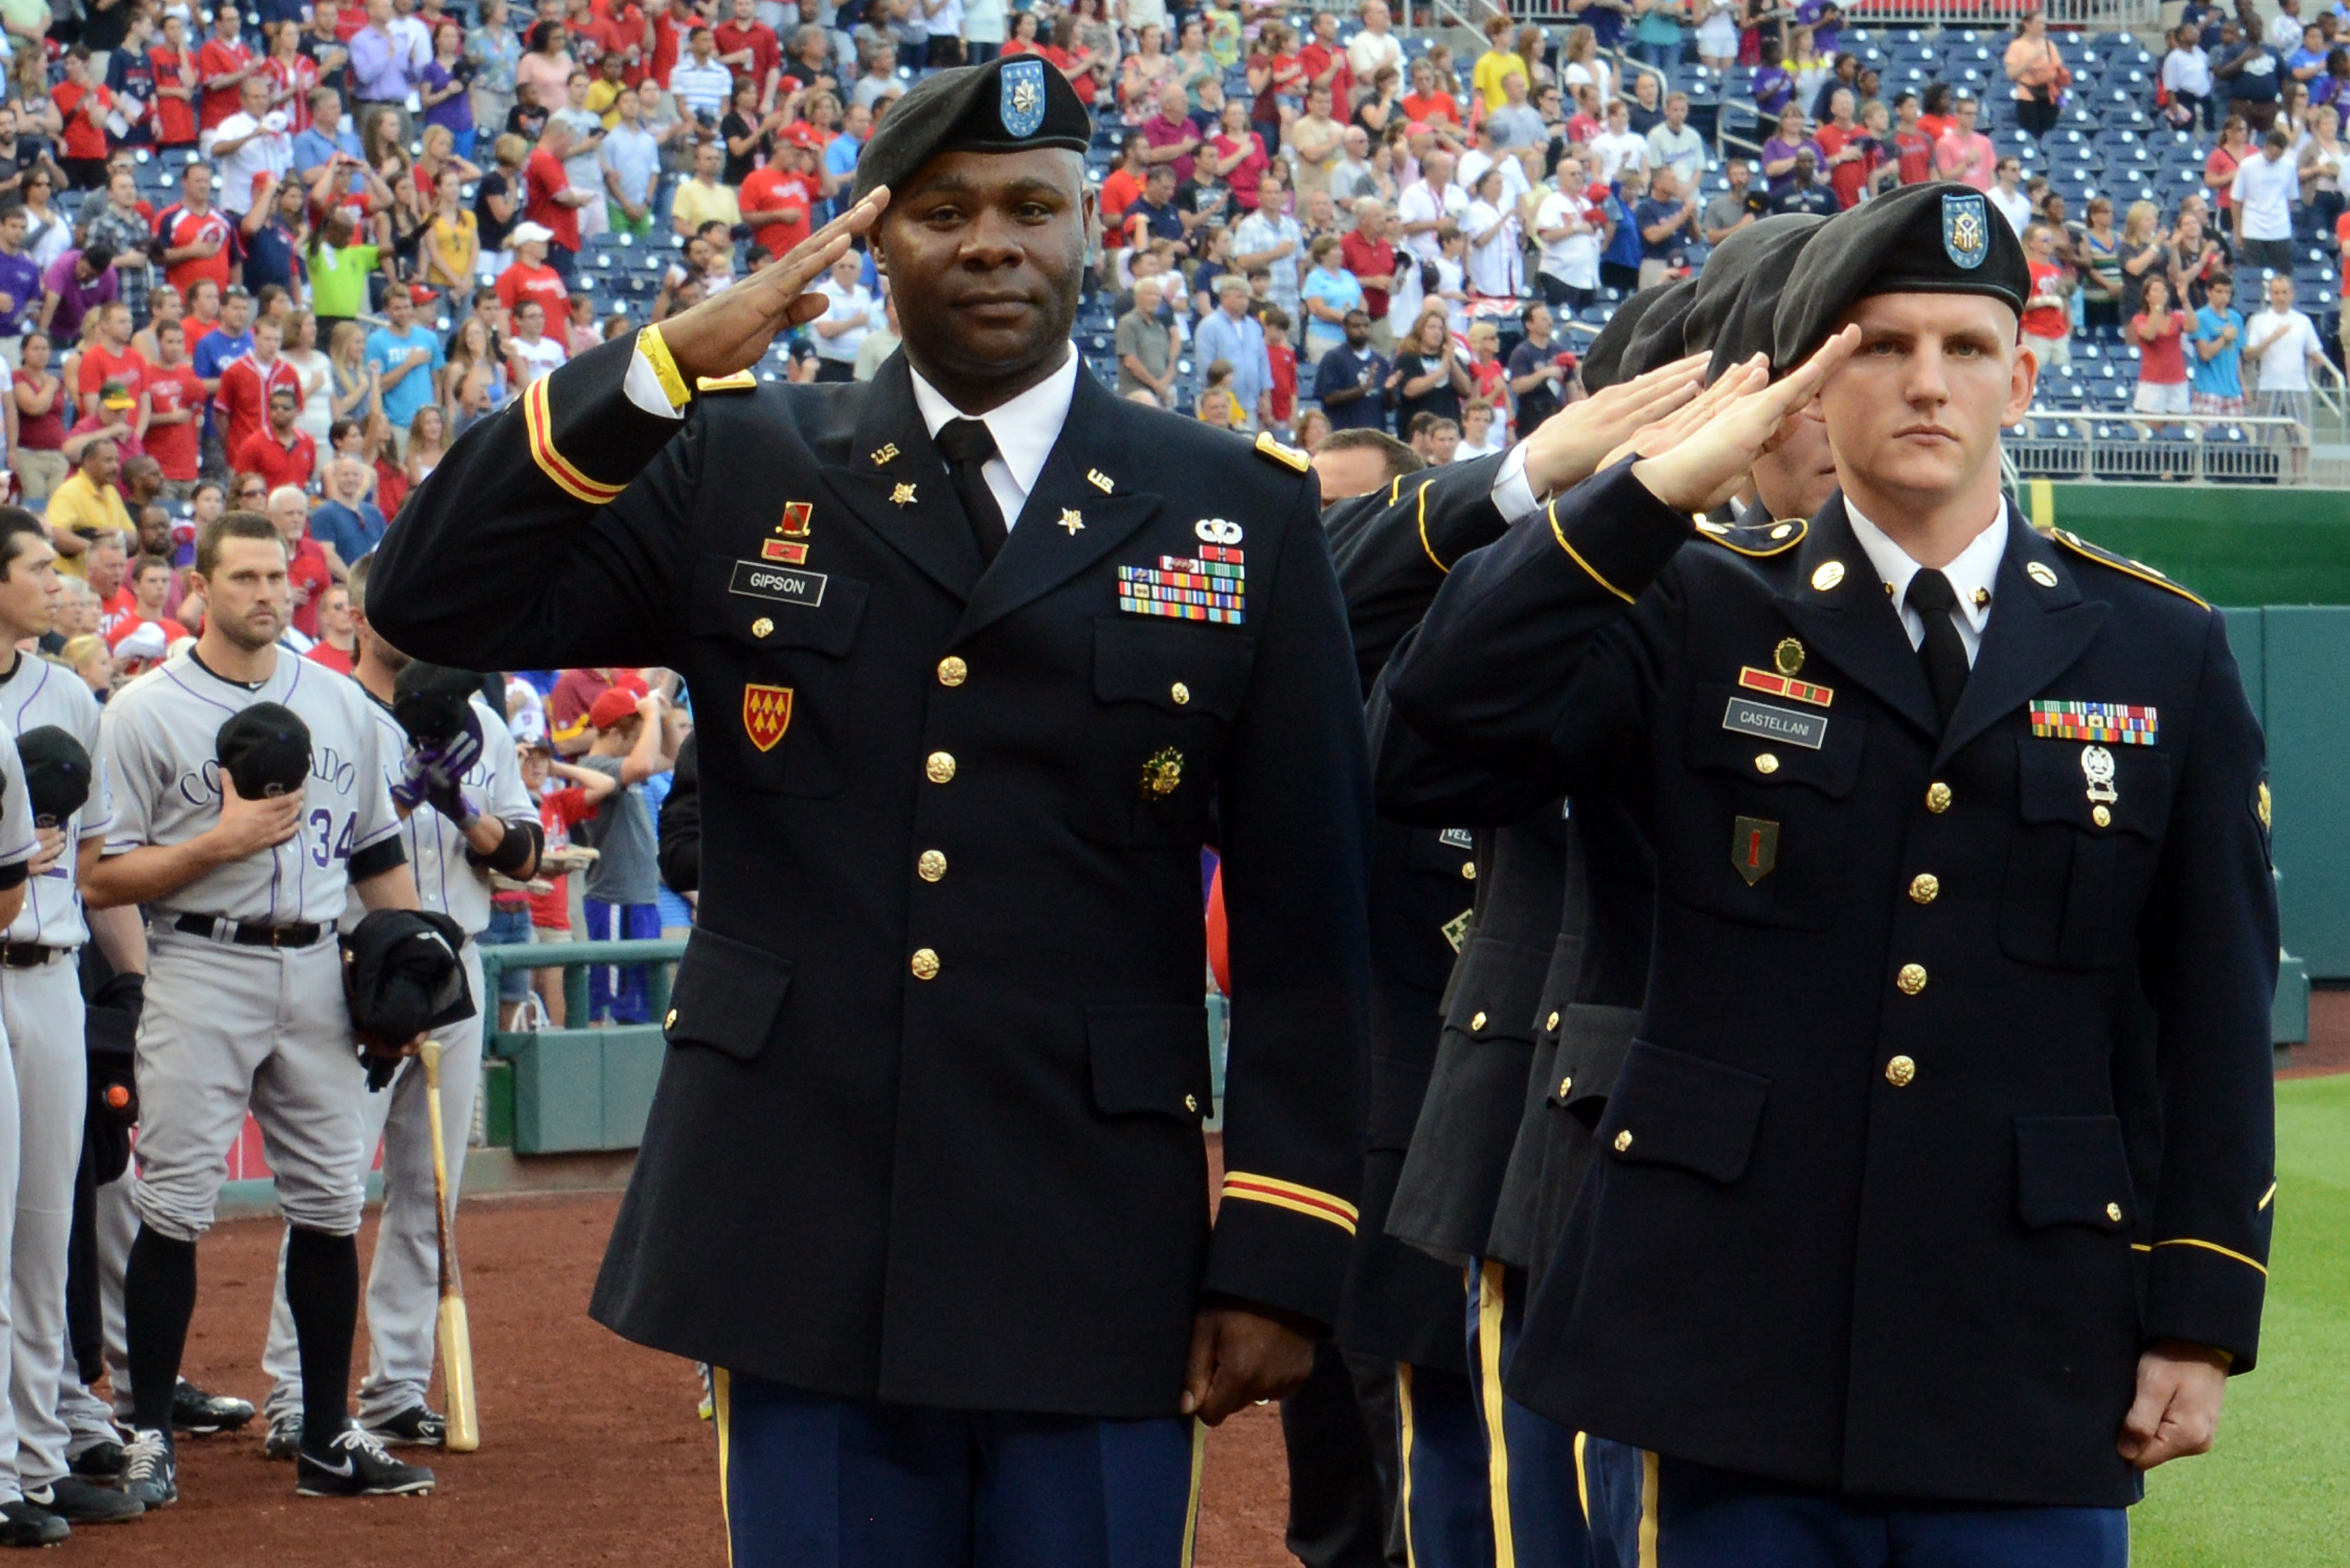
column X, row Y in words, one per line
column 29, row 955
column 248, row 933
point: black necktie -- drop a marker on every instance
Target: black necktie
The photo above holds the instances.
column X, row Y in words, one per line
column 1943, row 651
column 966, row 444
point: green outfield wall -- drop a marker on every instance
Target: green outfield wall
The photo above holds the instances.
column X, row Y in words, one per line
column 2233, row 544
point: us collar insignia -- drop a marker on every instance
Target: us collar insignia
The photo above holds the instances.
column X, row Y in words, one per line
column 2109, row 723
column 1020, row 98
column 1098, row 480
column 886, row 456
column 1966, row 235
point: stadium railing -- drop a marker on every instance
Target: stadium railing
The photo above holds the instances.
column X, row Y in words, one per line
column 579, row 1089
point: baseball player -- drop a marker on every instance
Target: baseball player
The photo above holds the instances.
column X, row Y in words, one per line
column 55, row 718
column 246, row 862
column 454, row 840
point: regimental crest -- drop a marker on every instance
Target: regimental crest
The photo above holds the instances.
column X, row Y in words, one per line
column 1021, row 104
column 766, row 714
column 1966, row 232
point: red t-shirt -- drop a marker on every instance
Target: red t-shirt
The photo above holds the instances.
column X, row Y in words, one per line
column 296, row 77
column 2046, row 321
column 1247, row 171
column 543, row 284
column 559, row 811
column 766, row 54
column 181, row 227
column 1374, row 265
column 1427, row 106
column 2163, row 362
column 244, row 397
column 1119, row 192
column 169, row 390
column 543, row 179
column 1283, row 360
column 1846, row 179
column 1316, row 58
column 217, row 59
column 175, row 118
column 768, row 189
column 290, row 465
column 669, row 32
column 99, row 365
column 1917, row 149
column 82, row 139
column 618, row 29
column 328, row 654
column 310, row 579
column 112, row 613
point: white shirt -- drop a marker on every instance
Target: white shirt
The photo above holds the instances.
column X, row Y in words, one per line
column 2014, row 206
column 2285, row 364
column 1971, row 574
column 537, row 360
column 1515, row 186
column 2264, row 193
column 1368, row 51
column 2188, row 71
column 2284, row 32
column 1682, row 151
column 1418, row 204
column 854, row 302
column 270, row 152
column 1613, row 153
column 1025, row 430
column 1493, row 266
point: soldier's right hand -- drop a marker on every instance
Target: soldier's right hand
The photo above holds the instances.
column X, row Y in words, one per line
column 248, row 826
column 730, row 331
column 1567, row 448
column 1695, row 459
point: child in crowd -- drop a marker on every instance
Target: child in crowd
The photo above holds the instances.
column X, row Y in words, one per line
column 567, row 795
column 637, row 736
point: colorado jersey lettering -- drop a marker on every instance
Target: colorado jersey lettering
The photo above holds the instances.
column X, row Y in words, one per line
column 35, row 693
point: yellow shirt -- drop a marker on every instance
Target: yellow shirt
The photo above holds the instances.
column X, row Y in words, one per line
column 80, row 507
column 601, row 96
column 1487, row 78
column 699, row 204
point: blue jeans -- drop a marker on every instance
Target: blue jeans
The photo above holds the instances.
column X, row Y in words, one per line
column 1665, row 57
column 510, row 926
column 618, row 991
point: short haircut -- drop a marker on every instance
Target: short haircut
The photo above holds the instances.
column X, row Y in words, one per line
column 1400, row 459
column 355, row 581
column 231, row 525
column 1421, row 423
column 16, row 525
column 283, row 491
column 146, row 563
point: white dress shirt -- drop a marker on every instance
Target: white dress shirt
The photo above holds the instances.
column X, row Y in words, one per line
column 1972, row 573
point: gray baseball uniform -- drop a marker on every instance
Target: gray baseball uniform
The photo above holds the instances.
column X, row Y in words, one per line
column 229, row 1024
column 17, row 847
column 41, row 1003
column 404, row 1282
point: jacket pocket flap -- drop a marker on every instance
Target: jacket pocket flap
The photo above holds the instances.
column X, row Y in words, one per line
column 799, row 609
column 1150, row 1057
column 1494, row 990
column 727, row 995
column 1181, row 669
column 2072, row 1170
column 2054, row 784
column 1671, row 1108
column 1592, row 1043
column 1729, row 730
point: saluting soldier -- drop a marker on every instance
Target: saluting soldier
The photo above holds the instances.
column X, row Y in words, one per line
column 983, row 656
column 1939, row 805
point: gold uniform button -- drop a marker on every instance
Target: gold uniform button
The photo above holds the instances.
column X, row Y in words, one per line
column 1766, row 763
column 1623, row 1140
column 1937, row 798
column 1551, row 1022
column 1478, row 1021
column 1191, row 1103
column 763, row 627
column 1180, row 692
column 2102, row 817
column 940, row 767
column 1564, row 1085
column 1925, row 887
column 931, row 866
column 2114, row 1213
column 1911, row 979
column 1899, row 1071
column 925, row 964
column 952, row 671
column 670, row 1022
column 1469, row 870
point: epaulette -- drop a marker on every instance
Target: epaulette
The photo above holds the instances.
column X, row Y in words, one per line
column 2122, row 564
column 1756, row 539
column 740, row 381
column 1287, row 456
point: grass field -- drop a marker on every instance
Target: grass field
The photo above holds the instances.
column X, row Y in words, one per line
column 2276, row 1491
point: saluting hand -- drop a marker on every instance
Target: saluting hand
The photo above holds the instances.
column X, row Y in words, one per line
column 1695, row 460
column 730, row 330
column 1242, row 1354
column 1567, row 448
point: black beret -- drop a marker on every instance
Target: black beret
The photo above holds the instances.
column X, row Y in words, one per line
column 1937, row 238
column 431, row 700
column 1733, row 315
column 1603, row 362
column 1658, row 339
column 1012, row 104
column 265, row 749
column 57, row 773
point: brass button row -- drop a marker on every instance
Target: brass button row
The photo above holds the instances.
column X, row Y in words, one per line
column 1911, row 979
column 1478, row 1021
column 939, row 767
column 1899, row 1071
column 952, row 671
column 931, row 866
column 1469, row 870
column 924, row 963
column 1937, row 797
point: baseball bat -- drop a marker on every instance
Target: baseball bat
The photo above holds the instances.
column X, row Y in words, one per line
column 456, row 1339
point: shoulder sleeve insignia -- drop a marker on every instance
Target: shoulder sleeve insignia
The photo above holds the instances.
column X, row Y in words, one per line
column 1287, row 456
column 2122, row 564
column 1759, row 540
column 740, row 381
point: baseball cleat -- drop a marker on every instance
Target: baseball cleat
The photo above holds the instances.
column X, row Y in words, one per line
column 101, row 1461
column 24, row 1524
column 77, row 1501
column 354, row 1464
column 418, row 1427
column 285, row 1439
column 201, row 1415
column 150, row 1468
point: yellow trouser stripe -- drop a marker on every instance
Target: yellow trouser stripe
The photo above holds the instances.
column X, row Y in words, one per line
column 1648, row 1509
column 1560, row 535
column 1497, row 1461
column 1403, row 1457
column 1582, row 1479
column 721, row 1404
column 1191, row 1509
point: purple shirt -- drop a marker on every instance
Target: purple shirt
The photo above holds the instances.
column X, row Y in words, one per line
column 1162, row 132
column 75, row 299
column 20, row 280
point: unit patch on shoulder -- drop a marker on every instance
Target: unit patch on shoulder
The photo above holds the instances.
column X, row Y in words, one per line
column 1287, row 456
column 2122, row 564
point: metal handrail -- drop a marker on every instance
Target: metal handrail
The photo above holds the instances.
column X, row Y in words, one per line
column 575, row 959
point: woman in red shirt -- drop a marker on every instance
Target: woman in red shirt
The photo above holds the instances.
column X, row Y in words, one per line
column 1237, row 154
column 84, row 105
column 1277, row 80
column 2219, row 168
column 292, row 75
column 176, row 82
column 2160, row 334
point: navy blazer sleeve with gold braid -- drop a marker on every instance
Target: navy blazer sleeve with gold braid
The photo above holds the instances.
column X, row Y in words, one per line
column 513, row 555
column 1394, row 547
column 1292, row 1110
